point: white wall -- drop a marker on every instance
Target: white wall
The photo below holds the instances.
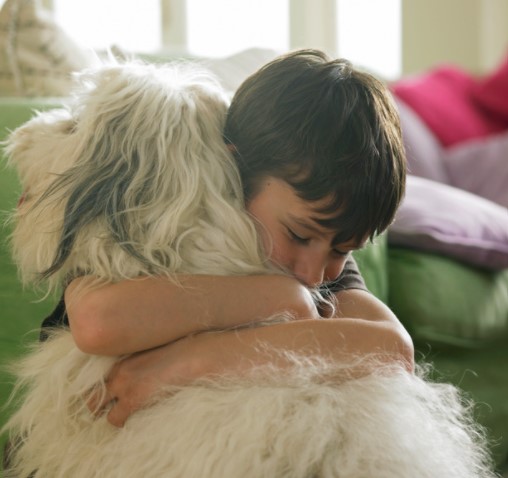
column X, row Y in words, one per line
column 312, row 25
column 494, row 38
column 470, row 33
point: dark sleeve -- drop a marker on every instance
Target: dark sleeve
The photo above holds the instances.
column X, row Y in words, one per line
column 350, row 278
column 57, row 319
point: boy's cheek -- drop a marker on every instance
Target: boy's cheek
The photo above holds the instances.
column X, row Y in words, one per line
column 281, row 255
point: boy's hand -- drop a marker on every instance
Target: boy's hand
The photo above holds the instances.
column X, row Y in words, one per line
column 136, row 381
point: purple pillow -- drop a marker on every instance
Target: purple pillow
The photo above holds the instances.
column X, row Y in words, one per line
column 441, row 219
column 480, row 167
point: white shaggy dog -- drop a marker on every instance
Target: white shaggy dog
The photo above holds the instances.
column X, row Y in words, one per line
column 131, row 179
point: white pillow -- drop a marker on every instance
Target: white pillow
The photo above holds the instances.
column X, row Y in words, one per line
column 234, row 69
column 38, row 56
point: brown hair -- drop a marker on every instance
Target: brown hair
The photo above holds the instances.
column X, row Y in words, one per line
column 330, row 131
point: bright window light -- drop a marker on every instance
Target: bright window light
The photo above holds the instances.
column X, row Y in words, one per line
column 99, row 24
column 224, row 27
column 369, row 35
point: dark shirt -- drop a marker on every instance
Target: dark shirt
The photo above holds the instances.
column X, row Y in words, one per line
column 350, row 278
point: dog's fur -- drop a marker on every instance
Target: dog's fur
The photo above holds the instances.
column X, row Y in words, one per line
column 133, row 178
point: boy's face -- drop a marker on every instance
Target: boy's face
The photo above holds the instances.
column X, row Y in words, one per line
column 292, row 239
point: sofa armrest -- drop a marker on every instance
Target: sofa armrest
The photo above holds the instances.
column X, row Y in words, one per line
column 14, row 111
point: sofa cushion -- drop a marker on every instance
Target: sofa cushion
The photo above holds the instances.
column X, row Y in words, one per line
column 37, row 56
column 21, row 309
column 438, row 218
column 373, row 264
column 444, row 302
column 481, row 374
column 480, row 167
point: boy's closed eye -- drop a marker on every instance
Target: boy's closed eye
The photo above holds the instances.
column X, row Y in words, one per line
column 305, row 240
column 338, row 252
column 295, row 237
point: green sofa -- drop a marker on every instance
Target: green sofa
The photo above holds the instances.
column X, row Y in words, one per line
column 21, row 310
column 457, row 315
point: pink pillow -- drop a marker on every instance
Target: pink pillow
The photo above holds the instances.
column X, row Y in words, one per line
column 491, row 93
column 443, row 100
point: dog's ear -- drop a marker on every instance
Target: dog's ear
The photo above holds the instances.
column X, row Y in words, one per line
column 145, row 184
column 35, row 150
column 39, row 152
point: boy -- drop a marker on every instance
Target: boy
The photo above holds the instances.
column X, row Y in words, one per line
column 319, row 150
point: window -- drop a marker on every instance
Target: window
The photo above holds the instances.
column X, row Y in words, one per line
column 369, row 34
column 223, row 27
column 99, row 24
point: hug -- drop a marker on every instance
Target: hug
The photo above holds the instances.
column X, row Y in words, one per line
column 213, row 321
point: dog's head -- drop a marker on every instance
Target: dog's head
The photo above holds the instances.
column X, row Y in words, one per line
column 131, row 178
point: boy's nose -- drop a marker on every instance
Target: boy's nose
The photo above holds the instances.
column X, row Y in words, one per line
column 315, row 267
column 310, row 270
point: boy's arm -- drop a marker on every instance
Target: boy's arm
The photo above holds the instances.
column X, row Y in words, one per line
column 135, row 381
column 135, row 315
column 360, row 304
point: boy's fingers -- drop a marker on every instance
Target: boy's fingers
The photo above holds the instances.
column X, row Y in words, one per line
column 98, row 401
column 118, row 413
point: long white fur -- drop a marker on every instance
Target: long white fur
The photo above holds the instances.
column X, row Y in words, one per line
column 157, row 130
